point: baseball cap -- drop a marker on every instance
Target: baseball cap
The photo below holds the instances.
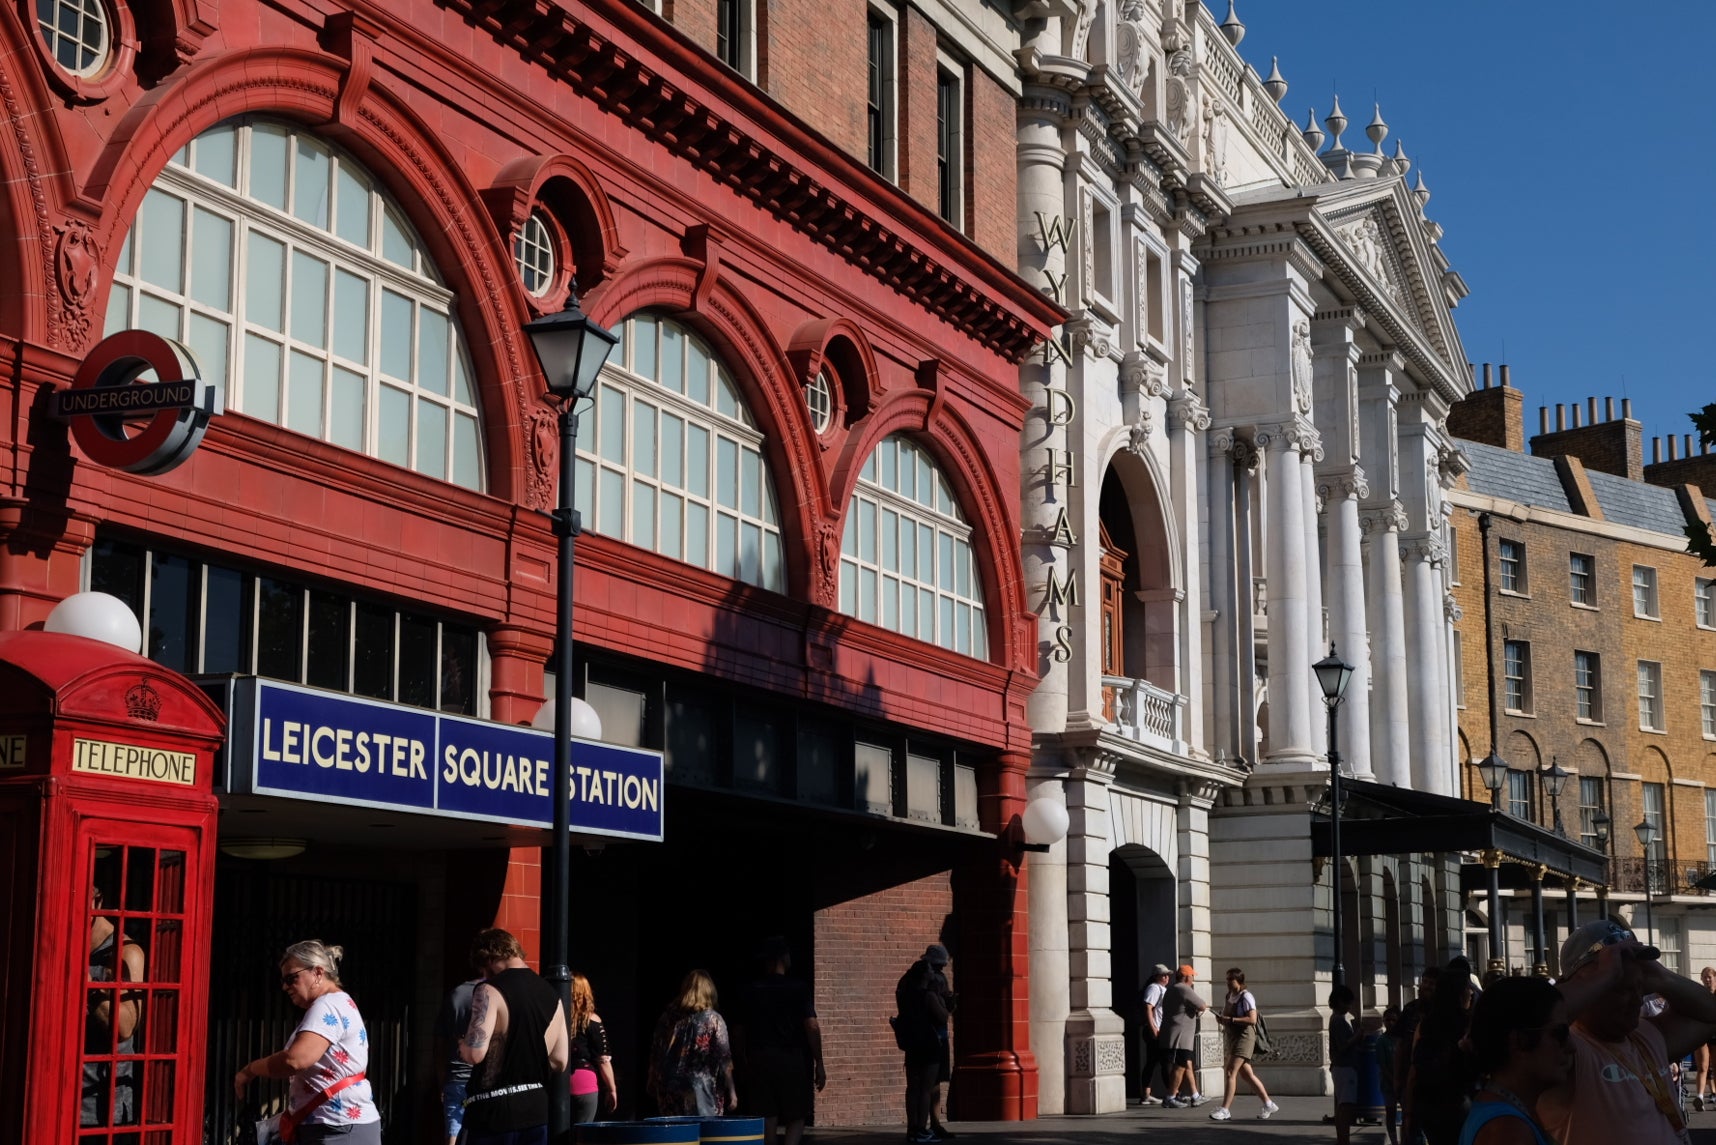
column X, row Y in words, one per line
column 1583, row 945
column 1158, row 970
column 1189, row 970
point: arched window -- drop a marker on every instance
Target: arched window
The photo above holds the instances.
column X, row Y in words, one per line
column 906, row 560
column 671, row 460
column 305, row 295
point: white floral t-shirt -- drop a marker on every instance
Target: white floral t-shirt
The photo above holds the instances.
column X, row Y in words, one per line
column 335, row 1017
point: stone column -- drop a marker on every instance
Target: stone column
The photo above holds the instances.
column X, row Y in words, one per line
column 1188, row 418
column 1095, row 1037
column 1196, row 922
column 1390, row 722
column 1246, row 731
column 1046, row 906
column 1347, row 619
column 1224, row 597
column 1286, row 566
column 1316, row 642
column 1424, row 631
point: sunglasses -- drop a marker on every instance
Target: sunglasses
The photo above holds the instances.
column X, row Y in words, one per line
column 288, row 979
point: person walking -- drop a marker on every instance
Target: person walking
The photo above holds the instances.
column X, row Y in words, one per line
column 454, row 1071
column 779, row 1045
column 1702, row 1097
column 1238, row 1019
column 1520, row 1048
column 589, row 1066
column 1411, row 1018
column 925, row 1001
column 1438, row 1087
column 1387, row 1050
column 1181, row 1006
column 325, row 1057
column 1155, row 1054
column 1343, row 1060
column 691, row 1054
column 517, row 1039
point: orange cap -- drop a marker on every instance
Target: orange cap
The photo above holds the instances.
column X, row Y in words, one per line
column 1188, row 971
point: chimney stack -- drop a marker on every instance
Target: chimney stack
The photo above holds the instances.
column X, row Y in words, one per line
column 1491, row 415
column 1608, row 445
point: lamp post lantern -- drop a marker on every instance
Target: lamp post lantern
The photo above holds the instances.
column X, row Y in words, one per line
column 1648, row 834
column 1601, row 825
column 1494, row 770
column 1554, row 779
column 571, row 350
column 1333, row 673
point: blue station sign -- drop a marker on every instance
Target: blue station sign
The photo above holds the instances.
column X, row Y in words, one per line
column 301, row 743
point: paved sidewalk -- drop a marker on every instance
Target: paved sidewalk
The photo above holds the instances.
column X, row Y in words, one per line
column 1300, row 1119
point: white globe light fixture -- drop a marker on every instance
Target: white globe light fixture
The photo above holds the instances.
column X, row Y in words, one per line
column 586, row 724
column 97, row 616
column 1044, row 823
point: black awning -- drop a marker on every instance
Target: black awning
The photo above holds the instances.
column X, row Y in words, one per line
column 1383, row 820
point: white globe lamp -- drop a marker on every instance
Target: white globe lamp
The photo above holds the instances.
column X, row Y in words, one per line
column 586, row 724
column 1044, row 823
column 97, row 616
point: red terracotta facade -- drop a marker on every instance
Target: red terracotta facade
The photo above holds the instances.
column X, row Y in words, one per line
column 680, row 188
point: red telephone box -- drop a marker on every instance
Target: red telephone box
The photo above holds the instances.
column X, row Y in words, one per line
column 107, row 848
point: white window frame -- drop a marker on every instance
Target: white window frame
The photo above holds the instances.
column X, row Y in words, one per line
column 743, row 56
column 1704, row 602
column 1653, row 797
column 1582, row 585
column 1510, row 555
column 1710, row 827
column 887, row 101
column 534, row 254
column 1099, row 241
column 90, row 13
column 951, row 72
column 1589, row 809
column 1645, row 602
column 616, row 478
column 1520, row 803
column 873, row 571
column 391, row 262
column 1707, row 703
column 1516, row 676
column 1651, row 716
column 1587, row 686
column 1453, row 541
column 1459, row 656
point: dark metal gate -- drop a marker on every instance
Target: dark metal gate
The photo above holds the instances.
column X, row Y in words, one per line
column 260, row 912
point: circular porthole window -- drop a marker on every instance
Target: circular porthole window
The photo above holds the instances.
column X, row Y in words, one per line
column 534, row 253
column 819, row 399
column 78, row 34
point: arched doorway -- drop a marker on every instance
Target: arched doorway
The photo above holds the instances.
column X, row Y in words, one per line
column 1143, row 907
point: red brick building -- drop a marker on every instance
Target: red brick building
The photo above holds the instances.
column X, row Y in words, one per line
column 800, row 578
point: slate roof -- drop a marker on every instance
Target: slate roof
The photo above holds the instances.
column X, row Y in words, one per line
column 1516, row 477
column 1529, row 480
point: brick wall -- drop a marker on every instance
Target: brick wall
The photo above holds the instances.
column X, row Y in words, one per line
column 917, row 93
column 818, row 67
column 863, row 945
column 992, row 190
column 1494, row 416
column 1609, row 446
column 695, row 18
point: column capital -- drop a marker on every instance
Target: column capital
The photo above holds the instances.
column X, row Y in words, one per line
column 1188, row 411
column 1425, row 547
column 1389, row 518
column 1296, row 434
column 1451, row 609
column 1345, row 483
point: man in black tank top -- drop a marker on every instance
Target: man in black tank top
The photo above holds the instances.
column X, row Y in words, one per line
column 517, row 1041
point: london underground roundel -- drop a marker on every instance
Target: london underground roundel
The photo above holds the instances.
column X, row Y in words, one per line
column 140, row 427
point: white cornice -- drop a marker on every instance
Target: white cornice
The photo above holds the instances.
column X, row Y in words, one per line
column 1572, row 522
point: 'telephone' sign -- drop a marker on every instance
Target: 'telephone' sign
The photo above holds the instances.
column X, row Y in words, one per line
column 134, row 761
column 307, row 744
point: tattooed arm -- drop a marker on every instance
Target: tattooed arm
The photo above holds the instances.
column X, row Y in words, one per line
column 475, row 1044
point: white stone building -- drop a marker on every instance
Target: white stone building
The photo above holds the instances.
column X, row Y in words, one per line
column 1238, row 455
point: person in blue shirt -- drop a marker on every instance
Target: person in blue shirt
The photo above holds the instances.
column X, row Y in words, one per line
column 1520, row 1046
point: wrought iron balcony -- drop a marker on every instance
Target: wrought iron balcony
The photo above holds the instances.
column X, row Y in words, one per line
column 1665, row 876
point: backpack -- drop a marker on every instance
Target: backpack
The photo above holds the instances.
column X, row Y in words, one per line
column 1264, row 1045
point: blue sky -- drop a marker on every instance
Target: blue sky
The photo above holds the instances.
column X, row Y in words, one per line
column 1569, row 151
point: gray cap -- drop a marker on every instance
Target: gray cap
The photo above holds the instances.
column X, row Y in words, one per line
column 936, row 954
column 1160, row 970
column 1583, row 945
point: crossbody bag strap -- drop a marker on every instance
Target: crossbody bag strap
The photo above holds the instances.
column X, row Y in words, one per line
column 290, row 1120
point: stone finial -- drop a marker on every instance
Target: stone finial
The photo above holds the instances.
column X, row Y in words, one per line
column 1231, row 27
column 1378, row 130
column 1421, row 191
column 1275, row 85
column 1401, row 163
column 1312, row 133
column 1336, row 122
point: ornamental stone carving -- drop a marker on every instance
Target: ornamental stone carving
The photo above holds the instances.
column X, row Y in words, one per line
column 1301, row 366
column 1382, row 519
column 1133, row 34
column 539, row 488
column 1451, row 609
column 1344, row 486
column 1365, row 239
column 1189, row 412
column 1180, row 92
column 828, row 557
column 1138, row 437
column 76, row 260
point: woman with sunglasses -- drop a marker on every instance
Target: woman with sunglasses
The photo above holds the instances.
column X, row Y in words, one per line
column 1519, row 1046
column 325, row 1057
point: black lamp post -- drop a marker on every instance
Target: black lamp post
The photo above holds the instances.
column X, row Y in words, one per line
column 1494, row 770
column 1333, row 673
column 571, row 350
column 1554, row 779
column 1601, row 825
column 1648, row 835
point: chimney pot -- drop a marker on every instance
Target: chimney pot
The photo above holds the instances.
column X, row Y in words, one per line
column 1688, row 448
column 1560, row 416
column 1703, row 447
column 1505, row 377
column 1656, row 451
column 1627, row 408
column 1575, row 406
column 1673, row 448
column 1486, row 375
column 1608, row 409
column 1591, row 405
column 1542, row 419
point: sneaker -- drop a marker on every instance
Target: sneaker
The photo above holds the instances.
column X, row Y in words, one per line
column 1198, row 1099
column 1221, row 1115
column 1268, row 1108
column 1148, row 1100
column 924, row 1138
column 1175, row 1103
column 1698, row 1103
